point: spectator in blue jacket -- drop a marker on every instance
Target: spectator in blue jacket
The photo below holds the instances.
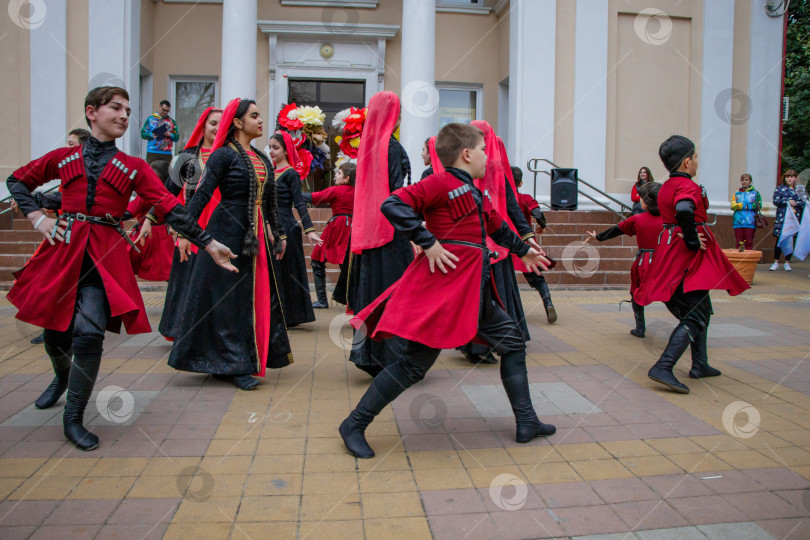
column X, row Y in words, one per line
column 161, row 131
column 784, row 197
column 746, row 204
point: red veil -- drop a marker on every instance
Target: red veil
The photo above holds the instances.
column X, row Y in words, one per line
column 296, row 158
column 435, row 162
column 370, row 229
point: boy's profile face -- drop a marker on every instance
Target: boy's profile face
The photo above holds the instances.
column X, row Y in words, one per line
column 690, row 165
column 109, row 122
column 478, row 159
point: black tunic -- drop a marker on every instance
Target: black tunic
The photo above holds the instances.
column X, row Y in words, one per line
column 294, row 282
column 373, row 271
column 217, row 332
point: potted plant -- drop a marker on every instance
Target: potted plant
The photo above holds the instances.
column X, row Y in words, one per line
column 744, row 262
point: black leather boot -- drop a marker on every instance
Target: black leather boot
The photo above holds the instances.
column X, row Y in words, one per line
column 661, row 372
column 528, row 425
column 86, row 361
column 545, row 295
column 641, row 327
column 486, row 358
column 60, row 359
column 319, row 277
column 700, row 358
column 242, row 382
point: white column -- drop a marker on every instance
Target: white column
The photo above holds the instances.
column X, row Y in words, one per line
column 532, row 40
column 239, row 42
column 721, row 105
column 590, row 90
column 114, row 56
column 49, row 80
column 419, row 97
column 765, row 94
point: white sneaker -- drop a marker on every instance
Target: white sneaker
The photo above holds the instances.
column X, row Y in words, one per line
column 787, row 266
column 774, row 267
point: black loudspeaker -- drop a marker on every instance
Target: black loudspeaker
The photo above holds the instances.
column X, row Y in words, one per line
column 564, row 189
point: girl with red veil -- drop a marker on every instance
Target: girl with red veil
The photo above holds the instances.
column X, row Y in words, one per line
column 431, row 160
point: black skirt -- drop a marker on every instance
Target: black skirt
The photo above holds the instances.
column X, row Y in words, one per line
column 294, row 283
column 179, row 279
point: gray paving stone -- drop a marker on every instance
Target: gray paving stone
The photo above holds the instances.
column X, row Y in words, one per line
column 727, row 330
column 678, row 533
column 31, row 416
column 549, row 399
column 735, row 531
column 615, row 536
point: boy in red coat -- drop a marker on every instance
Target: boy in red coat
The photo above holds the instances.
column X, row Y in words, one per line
column 687, row 264
column 80, row 282
column 435, row 311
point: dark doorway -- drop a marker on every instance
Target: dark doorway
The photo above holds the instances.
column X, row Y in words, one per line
column 332, row 96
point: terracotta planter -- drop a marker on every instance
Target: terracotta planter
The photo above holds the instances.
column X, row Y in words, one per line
column 745, row 262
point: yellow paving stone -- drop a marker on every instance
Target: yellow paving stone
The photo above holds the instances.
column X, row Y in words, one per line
column 342, row 462
column 269, row 447
column 289, row 463
column 159, row 487
column 601, row 469
column 386, row 481
column 327, row 445
column 20, row 466
column 384, row 445
column 286, row 431
column 326, row 483
column 331, row 506
column 803, row 470
column 797, row 437
column 8, row 485
column 166, row 466
column 238, row 431
column 434, row 459
column 226, row 464
column 66, row 467
column 699, row 462
column 232, row 447
column 102, row 487
column 331, row 530
column 263, row 509
column 281, row 530
column 747, row 459
column 392, row 461
column 453, row 478
column 718, row 443
column 674, row 445
column 224, row 485
column 411, row 528
column 485, row 457
column 550, row 473
column 274, row 484
column 530, row 455
column 122, row 466
column 207, row 531
column 582, row 451
column 45, row 488
column 382, row 505
column 790, row 456
column 624, row 449
column 650, row 465
column 212, row 510
column 764, row 440
column 483, row 477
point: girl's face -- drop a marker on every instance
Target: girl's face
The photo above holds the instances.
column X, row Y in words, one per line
column 73, row 140
column 790, row 180
column 340, row 178
column 745, row 182
column 251, row 123
column 425, row 155
column 642, row 175
column 277, row 152
column 211, row 125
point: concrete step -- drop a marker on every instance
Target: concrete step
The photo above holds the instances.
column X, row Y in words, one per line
column 13, row 261
column 579, row 216
column 21, row 248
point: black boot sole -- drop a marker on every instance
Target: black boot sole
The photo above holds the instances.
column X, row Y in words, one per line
column 637, row 333
column 677, row 389
column 345, row 434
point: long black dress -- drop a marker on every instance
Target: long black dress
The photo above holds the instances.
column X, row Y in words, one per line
column 181, row 271
column 373, row 271
column 294, row 282
column 218, row 328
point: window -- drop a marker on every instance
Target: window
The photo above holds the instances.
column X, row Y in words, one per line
column 459, row 103
column 190, row 96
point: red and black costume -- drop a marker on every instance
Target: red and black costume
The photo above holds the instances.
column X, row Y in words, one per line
column 335, row 236
column 380, row 253
column 435, row 163
column 682, row 275
column 78, row 288
column 434, row 311
column 531, row 210
column 646, row 227
column 153, row 260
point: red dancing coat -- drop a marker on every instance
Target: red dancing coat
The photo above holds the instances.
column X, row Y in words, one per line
column 338, row 231
column 438, row 310
column 154, row 262
column 45, row 289
column 527, row 204
column 674, row 263
column 646, row 228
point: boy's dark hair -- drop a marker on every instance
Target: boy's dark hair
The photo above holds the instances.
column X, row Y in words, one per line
column 674, row 150
column 517, row 174
column 649, row 193
column 453, row 138
column 100, row 96
column 81, row 134
column 349, row 170
column 165, row 102
column 161, row 169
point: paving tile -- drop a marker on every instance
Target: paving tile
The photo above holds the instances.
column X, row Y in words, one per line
column 653, row 514
column 144, row 511
column 125, row 532
column 21, row 513
column 521, row 524
column 729, row 482
column 676, row 533
column 48, row 532
column 735, row 531
column 758, row 505
column 677, row 485
column 706, row 509
column 568, row 494
column 86, row 512
column 452, row 501
column 386, row 505
column 468, row 526
column 623, row 490
column 582, row 520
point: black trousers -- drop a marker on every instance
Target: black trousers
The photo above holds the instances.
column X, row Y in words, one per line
column 693, row 309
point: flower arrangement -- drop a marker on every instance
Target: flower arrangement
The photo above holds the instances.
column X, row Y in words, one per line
column 350, row 122
column 305, row 126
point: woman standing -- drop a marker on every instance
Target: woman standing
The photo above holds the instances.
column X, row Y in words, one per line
column 294, row 283
column 644, row 175
column 785, row 196
column 380, row 254
column 746, row 205
column 233, row 325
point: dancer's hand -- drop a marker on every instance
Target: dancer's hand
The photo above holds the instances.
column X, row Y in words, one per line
column 280, row 254
column 46, row 226
column 438, row 256
column 314, row 239
column 701, row 239
column 535, row 261
column 222, row 255
column 533, row 243
column 591, row 234
column 184, row 246
column 146, row 230
column 416, row 250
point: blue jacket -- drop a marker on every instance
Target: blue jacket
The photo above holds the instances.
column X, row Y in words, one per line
column 161, row 133
column 746, row 204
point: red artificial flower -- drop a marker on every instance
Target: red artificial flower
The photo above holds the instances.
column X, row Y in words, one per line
column 303, row 164
column 286, row 122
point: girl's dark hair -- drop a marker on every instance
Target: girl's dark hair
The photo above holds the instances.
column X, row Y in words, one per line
column 789, row 172
column 81, row 134
column 251, row 245
column 349, row 170
column 674, row 150
column 102, row 95
column 649, row 175
column 161, row 169
column 649, row 193
column 517, row 175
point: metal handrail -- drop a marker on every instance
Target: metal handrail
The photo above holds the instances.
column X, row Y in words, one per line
column 532, row 166
column 9, row 198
